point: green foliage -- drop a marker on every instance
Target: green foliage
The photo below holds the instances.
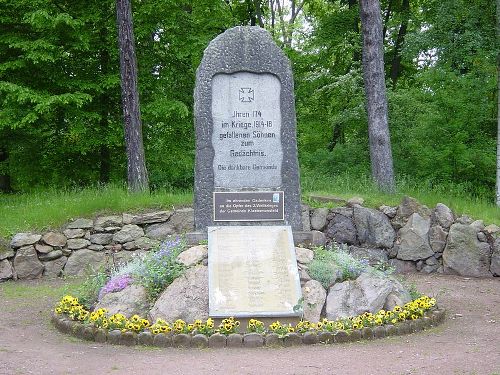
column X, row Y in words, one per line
column 88, row 291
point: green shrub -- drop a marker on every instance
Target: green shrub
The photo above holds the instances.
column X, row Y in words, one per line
column 88, row 291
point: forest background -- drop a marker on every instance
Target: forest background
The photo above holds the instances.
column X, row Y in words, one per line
column 60, row 106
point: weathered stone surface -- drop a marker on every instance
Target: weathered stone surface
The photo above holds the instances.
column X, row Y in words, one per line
column 409, row 206
column 495, row 258
column 128, row 233
column 163, row 341
column 292, row 339
column 183, row 220
column 6, row 253
column 199, row 341
column 443, row 216
column 6, row 271
column 341, row 229
column 367, row 293
column 318, row 218
column 465, row 254
column 304, row 255
column 43, row 249
column 355, row 201
column 129, row 301
column 83, row 261
column 234, row 340
column 80, row 224
column 94, row 247
column 147, row 218
column 74, row 233
column 306, row 218
column 310, row 338
column 402, row 266
column 374, row 228
column 77, row 243
column 273, row 339
column 24, row 239
column 344, row 211
column 186, row 298
column 492, row 229
column 430, row 268
column 54, row 239
column 145, row 243
column 482, row 237
column 101, row 238
column 217, row 340
column 51, row 256
column 145, row 338
column 54, row 268
column 103, row 222
column 464, row 219
column 160, row 231
column 26, row 263
column 304, row 276
column 388, row 210
column 432, row 261
column 437, row 238
column 415, row 239
column 193, row 255
column 314, row 298
column 373, row 256
column 318, row 238
column 478, row 225
column 129, row 246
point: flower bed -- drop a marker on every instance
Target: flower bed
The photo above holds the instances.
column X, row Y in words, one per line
column 72, row 317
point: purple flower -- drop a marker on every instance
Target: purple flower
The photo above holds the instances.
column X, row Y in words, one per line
column 167, row 247
column 115, row 284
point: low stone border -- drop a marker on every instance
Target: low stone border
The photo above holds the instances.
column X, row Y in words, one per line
column 247, row 340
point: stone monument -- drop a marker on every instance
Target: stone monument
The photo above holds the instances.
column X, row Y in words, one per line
column 246, row 168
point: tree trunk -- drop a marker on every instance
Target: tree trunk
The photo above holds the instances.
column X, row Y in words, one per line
column 137, row 174
column 498, row 108
column 376, row 100
column 104, row 154
column 396, row 57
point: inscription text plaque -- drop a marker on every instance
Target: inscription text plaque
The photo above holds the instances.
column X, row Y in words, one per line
column 249, row 206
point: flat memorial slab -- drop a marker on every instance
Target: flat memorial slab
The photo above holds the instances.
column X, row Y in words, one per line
column 252, row 272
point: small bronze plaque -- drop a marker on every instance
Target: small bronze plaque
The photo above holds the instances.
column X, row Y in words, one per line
column 249, row 206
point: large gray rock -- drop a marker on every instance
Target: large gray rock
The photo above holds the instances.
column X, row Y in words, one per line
column 437, row 238
column 160, row 231
column 402, row 266
column 80, row 224
column 26, row 263
column 414, row 236
column 74, row 233
column 6, row 271
column 129, row 301
column 77, row 243
column 101, row 238
column 193, row 255
column 50, row 256
column 314, row 299
column 84, row 261
column 318, row 218
column 186, row 298
column 147, row 218
column 183, row 220
column 128, row 233
column 443, row 216
column 24, row 239
column 495, row 258
column 103, row 222
column 303, row 255
column 54, row 239
column 368, row 292
column 146, row 243
column 373, row 256
column 465, row 254
column 54, row 268
column 374, row 228
column 341, row 229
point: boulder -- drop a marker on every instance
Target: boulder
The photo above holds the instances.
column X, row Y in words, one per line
column 54, row 268
column 103, row 222
column 373, row 256
column 160, row 231
column 402, row 266
column 437, row 238
column 183, row 220
column 492, row 229
column 355, row 201
column 24, row 239
column 147, row 218
column 193, row 255
column 186, row 298
column 80, row 224
column 84, row 261
column 495, row 258
column 478, row 225
column 6, row 271
column 388, row 210
column 129, row 301
column 374, row 228
column 43, row 249
column 74, row 233
column 443, row 216
column 101, row 238
column 128, row 233
column 51, row 256
column 77, row 243
column 414, row 244
column 146, row 243
column 409, row 206
column 304, row 255
column 26, row 263
column 369, row 292
column 341, row 229
column 465, row 254
column 344, row 211
column 314, row 299
column 318, row 218
column 54, row 239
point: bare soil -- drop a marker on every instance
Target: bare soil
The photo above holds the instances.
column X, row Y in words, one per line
column 467, row 343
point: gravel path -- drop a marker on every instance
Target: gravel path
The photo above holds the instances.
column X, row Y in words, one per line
column 467, row 343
